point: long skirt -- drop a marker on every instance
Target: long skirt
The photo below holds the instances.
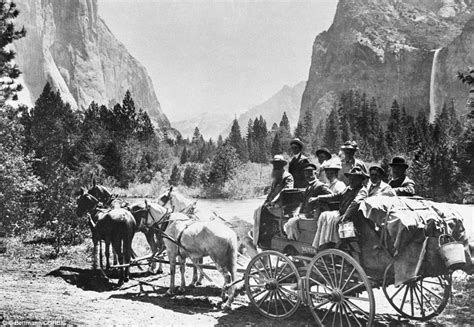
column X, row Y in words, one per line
column 327, row 229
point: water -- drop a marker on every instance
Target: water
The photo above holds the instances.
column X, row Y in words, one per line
column 231, row 208
column 433, row 104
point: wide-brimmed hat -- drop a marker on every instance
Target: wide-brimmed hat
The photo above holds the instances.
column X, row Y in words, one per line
column 310, row 166
column 297, row 141
column 323, row 150
column 278, row 161
column 398, row 161
column 377, row 167
column 333, row 165
column 357, row 171
column 349, row 145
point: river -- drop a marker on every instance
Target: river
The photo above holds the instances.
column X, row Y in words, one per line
column 231, row 208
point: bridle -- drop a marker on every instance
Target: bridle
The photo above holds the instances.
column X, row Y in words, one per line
column 160, row 223
column 168, row 199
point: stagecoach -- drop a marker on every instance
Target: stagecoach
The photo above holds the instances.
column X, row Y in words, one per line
column 337, row 284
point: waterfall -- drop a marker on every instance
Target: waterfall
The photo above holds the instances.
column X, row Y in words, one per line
column 434, row 68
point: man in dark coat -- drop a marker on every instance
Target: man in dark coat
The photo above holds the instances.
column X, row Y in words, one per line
column 314, row 189
column 349, row 148
column 298, row 163
column 401, row 184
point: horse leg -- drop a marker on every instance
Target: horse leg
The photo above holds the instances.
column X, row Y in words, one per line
column 94, row 256
column 117, row 244
column 100, row 256
column 172, row 258
column 127, row 251
column 197, row 275
column 182, row 268
column 107, row 255
column 150, row 237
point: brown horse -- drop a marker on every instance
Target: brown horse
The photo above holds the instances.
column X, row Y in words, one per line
column 116, row 226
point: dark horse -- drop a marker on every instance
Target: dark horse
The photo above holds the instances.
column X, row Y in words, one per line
column 138, row 211
column 116, row 227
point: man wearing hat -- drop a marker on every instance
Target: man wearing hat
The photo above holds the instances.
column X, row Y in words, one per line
column 331, row 170
column 298, row 163
column 280, row 180
column 323, row 156
column 376, row 185
column 401, row 184
column 327, row 231
column 349, row 148
column 306, row 208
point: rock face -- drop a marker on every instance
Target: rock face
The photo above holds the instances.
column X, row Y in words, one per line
column 70, row 46
column 209, row 123
column 386, row 48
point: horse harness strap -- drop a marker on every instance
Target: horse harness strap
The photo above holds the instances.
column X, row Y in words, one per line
column 180, row 234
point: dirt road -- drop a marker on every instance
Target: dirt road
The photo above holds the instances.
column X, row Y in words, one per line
column 36, row 288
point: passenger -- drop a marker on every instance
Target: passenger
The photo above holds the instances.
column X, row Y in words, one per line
column 281, row 180
column 376, row 185
column 298, row 163
column 327, row 230
column 323, row 156
column 349, row 148
column 307, row 208
column 335, row 185
column 401, row 184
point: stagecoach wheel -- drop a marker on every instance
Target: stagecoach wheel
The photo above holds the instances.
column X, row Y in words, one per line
column 338, row 291
column 421, row 298
column 271, row 282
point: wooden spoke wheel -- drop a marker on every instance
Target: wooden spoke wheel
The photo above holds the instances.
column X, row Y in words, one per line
column 271, row 283
column 421, row 298
column 338, row 291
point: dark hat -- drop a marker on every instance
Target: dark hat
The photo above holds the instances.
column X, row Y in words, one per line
column 278, row 161
column 297, row 141
column 310, row 166
column 357, row 171
column 349, row 145
column 398, row 161
column 324, row 150
column 377, row 167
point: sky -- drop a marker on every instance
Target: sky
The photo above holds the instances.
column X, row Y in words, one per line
column 218, row 56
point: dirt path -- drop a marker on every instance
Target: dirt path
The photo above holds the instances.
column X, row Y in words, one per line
column 34, row 288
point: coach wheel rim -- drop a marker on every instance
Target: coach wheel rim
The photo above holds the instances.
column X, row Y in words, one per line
column 422, row 298
column 338, row 291
column 271, row 282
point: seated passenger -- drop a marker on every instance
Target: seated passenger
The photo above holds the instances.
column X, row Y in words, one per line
column 334, row 184
column 327, row 232
column 281, row 180
column 297, row 163
column 376, row 185
column 323, row 156
column 308, row 206
column 401, row 184
column 349, row 161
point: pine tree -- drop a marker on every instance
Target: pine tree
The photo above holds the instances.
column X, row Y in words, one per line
column 9, row 71
column 144, row 128
column 332, row 137
column 184, row 156
column 235, row 140
column 394, row 132
column 276, row 146
column 285, row 133
column 223, row 164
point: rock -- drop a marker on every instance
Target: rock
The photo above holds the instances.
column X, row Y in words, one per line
column 70, row 46
column 386, row 48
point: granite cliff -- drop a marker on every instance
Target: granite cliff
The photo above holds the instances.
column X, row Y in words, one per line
column 70, row 46
column 387, row 49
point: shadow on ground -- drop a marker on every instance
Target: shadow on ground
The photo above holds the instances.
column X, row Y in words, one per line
column 90, row 279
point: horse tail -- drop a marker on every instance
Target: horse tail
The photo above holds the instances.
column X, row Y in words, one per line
column 231, row 256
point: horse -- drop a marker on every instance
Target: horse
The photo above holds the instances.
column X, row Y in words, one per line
column 116, row 226
column 102, row 194
column 190, row 238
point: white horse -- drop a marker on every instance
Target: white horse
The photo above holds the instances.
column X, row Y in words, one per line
column 195, row 239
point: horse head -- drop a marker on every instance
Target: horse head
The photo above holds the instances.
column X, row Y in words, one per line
column 85, row 203
column 101, row 193
column 155, row 216
column 176, row 201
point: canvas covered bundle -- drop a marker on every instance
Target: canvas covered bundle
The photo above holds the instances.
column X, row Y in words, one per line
column 409, row 228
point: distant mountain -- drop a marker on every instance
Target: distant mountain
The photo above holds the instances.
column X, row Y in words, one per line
column 390, row 49
column 288, row 100
column 70, row 46
column 210, row 125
